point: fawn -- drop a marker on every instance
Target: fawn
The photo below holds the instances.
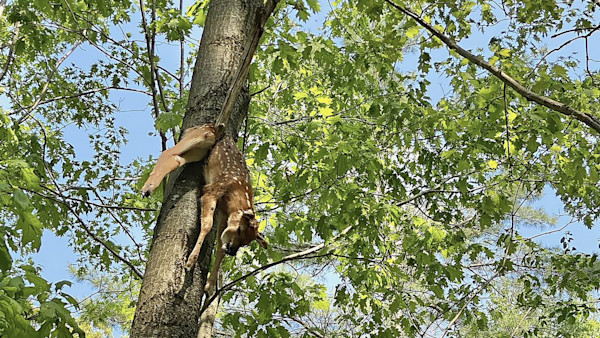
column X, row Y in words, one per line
column 227, row 189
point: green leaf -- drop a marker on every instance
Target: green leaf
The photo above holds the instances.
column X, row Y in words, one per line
column 59, row 285
column 325, row 112
column 324, row 99
column 21, row 200
column 300, row 95
column 5, row 259
column 437, row 234
column 334, row 119
column 321, row 304
column 505, row 52
column 167, row 121
column 412, row 32
column 31, row 229
column 314, row 5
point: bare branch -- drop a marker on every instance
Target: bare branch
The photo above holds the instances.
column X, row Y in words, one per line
column 587, row 61
column 588, row 119
column 102, row 243
column 306, row 254
column 551, row 231
column 62, row 200
column 84, row 93
column 118, row 221
column 308, row 328
column 563, row 45
column 99, row 205
column 573, row 30
column 150, row 37
column 47, row 85
column 507, row 130
column 244, row 67
column 11, row 48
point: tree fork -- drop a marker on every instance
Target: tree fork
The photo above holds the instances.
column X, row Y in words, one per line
column 170, row 298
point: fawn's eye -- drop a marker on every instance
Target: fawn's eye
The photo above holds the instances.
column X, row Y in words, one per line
column 239, row 230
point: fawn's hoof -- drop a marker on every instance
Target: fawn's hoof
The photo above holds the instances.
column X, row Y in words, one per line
column 190, row 263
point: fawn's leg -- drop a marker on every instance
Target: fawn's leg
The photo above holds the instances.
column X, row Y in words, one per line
column 192, row 148
column 214, row 273
column 165, row 164
column 209, row 203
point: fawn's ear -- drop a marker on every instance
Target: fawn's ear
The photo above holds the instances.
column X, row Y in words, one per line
column 261, row 240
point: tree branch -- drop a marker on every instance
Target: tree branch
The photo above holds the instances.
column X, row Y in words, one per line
column 62, row 200
column 244, row 67
column 150, row 44
column 11, row 48
column 306, row 254
column 118, row 221
column 99, row 205
column 84, row 93
column 47, row 85
column 566, row 43
column 308, row 328
column 102, row 243
column 590, row 120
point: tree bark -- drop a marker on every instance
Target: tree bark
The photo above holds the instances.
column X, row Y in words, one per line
column 2, row 6
column 207, row 318
column 170, row 298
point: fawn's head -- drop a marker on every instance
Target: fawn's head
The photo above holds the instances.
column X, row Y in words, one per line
column 241, row 230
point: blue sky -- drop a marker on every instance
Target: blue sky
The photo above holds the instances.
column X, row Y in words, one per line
column 134, row 114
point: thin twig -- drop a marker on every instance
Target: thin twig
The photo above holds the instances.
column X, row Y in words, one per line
column 563, row 45
column 102, row 243
column 573, row 30
column 306, row 254
column 467, row 302
column 87, row 230
column 100, row 205
column 550, row 232
column 11, row 49
column 47, row 85
column 308, row 328
column 587, row 62
column 120, row 223
column 260, row 91
column 84, row 93
column 507, row 131
column 150, row 44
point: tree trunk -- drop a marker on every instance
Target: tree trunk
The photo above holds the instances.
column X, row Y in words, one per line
column 207, row 319
column 170, row 298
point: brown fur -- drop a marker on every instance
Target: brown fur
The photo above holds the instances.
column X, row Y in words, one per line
column 228, row 188
column 192, row 147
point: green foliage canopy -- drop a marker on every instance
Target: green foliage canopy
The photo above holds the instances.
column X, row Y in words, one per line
column 417, row 195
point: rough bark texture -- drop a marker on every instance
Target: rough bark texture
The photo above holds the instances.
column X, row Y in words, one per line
column 170, row 298
column 207, row 319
